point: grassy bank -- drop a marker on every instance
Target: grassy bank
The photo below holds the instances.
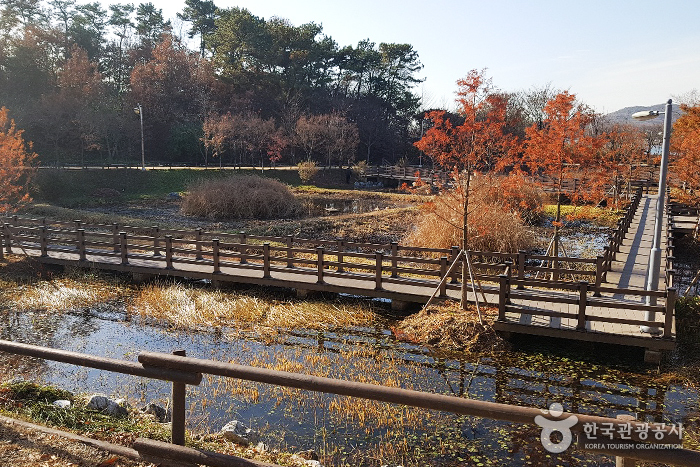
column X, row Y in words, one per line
column 93, row 187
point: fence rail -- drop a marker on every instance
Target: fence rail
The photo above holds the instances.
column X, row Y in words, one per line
column 178, row 364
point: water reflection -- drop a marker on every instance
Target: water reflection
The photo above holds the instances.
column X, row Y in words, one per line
column 351, row 431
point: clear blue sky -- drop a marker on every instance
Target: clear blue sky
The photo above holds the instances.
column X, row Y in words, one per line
column 610, row 53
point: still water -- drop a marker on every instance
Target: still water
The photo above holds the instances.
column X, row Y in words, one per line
column 343, row 430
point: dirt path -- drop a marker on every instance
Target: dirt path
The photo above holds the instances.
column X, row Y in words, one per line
column 21, row 446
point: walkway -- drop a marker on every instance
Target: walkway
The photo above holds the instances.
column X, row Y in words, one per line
column 616, row 314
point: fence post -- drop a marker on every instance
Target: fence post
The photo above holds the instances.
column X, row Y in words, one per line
column 319, row 264
column 583, row 289
column 8, row 238
column 598, row 275
column 670, row 274
column 625, row 461
column 44, row 243
column 266, row 260
column 179, row 393
column 341, row 247
column 115, row 237
column 81, row 244
column 156, row 240
column 670, row 308
column 378, row 270
column 522, row 257
column 77, row 234
column 215, row 255
column 243, row 249
column 168, row 252
column 455, row 252
column 290, row 255
column 394, row 260
column 2, row 243
column 443, row 272
column 502, row 296
column 198, row 246
column 122, row 248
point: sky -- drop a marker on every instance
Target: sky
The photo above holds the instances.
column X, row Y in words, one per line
column 610, row 53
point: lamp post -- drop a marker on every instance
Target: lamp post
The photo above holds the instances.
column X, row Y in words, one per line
column 655, row 255
column 138, row 110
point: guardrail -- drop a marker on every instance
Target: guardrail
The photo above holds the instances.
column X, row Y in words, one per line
column 182, row 370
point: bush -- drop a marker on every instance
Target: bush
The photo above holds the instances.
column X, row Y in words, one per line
column 240, row 197
column 515, row 192
column 307, row 171
column 493, row 224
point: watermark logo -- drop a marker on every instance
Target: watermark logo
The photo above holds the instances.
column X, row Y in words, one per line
column 551, row 426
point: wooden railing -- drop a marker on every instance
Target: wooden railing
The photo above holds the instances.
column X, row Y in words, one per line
column 182, row 370
column 584, row 300
column 381, row 263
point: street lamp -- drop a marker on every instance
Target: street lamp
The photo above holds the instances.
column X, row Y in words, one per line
column 655, row 256
column 138, row 110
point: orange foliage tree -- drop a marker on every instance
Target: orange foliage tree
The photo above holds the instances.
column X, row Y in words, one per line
column 480, row 142
column 561, row 147
column 685, row 145
column 16, row 158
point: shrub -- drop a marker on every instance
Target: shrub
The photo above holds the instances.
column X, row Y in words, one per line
column 240, row 197
column 360, row 170
column 307, row 171
column 515, row 192
column 493, row 224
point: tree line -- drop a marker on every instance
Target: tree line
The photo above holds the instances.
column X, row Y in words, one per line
column 257, row 90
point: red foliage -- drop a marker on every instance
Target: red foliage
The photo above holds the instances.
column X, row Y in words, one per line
column 16, row 161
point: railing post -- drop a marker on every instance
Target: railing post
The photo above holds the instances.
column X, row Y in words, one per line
column 341, row 248
column 168, row 252
column 443, row 272
column 2, row 243
column 670, row 309
column 123, row 247
column 8, row 238
column 394, row 260
column 215, row 255
column 81, row 244
column 598, row 275
column 502, row 296
column 198, row 246
column 582, row 302
column 77, row 233
column 266, row 260
column 290, row 255
column 243, row 249
column 455, row 253
column 44, row 243
column 115, row 237
column 522, row 257
column 179, row 393
column 670, row 274
column 319, row 264
column 378, row 270
column 625, row 461
column 155, row 230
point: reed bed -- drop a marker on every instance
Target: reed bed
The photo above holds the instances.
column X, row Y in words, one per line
column 185, row 307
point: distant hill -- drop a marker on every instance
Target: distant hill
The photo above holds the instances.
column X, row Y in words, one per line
column 625, row 115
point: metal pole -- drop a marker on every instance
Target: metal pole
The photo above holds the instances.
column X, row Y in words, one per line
column 655, row 255
column 143, row 150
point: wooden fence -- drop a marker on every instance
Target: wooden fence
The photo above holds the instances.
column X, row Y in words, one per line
column 182, row 370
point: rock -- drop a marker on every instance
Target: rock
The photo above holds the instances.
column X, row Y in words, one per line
column 309, row 455
column 313, row 463
column 161, row 414
column 238, row 433
column 262, row 447
column 61, row 404
column 107, row 406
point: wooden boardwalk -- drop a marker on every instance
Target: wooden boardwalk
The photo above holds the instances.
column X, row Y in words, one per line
column 615, row 315
column 598, row 299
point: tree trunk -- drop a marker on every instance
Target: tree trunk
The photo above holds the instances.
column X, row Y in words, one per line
column 465, row 242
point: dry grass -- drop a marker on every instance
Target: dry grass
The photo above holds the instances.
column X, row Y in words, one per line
column 447, row 327
column 76, row 289
column 185, row 307
column 240, row 197
column 492, row 226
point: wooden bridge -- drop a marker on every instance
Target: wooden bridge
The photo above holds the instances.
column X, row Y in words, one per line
column 598, row 299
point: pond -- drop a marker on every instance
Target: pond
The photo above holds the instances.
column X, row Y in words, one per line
column 348, row 431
